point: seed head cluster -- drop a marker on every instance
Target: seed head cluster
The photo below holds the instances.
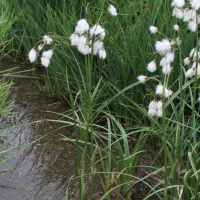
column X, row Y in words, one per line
column 46, row 55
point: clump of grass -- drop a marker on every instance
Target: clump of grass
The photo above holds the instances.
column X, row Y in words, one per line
column 107, row 89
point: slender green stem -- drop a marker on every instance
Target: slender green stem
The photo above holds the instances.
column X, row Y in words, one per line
column 165, row 138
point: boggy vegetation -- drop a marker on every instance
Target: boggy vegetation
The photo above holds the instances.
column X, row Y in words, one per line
column 122, row 85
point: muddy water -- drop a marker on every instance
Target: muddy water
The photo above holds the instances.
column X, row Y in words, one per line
column 46, row 166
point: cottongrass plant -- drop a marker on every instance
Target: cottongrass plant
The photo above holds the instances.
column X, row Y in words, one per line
column 181, row 179
column 128, row 44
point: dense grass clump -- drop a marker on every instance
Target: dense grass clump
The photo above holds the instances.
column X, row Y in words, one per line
column 108, row 90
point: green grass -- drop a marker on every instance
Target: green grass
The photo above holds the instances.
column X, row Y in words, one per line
column 108, row 91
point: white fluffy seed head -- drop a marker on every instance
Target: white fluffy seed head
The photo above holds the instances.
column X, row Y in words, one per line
column 172, row 42
column 151, row 67
column 162, row 47
column 112, row 10
column 152, row 108
column 170, row 56
column 102, row 54
column 178, row 3
column 47, row 40
column 45, row 61
column 176, row 27
column 82, row 26
column 32, row 55
column 159, row 105
column 159, row 90
column 195, row 4
column 168, row 93
column 142, row 78
column 178, row 13
column 159, row 113
column 152, row 112
column 97, row 31
column 40, row 47
column 186, row 61
column 194, row 65
column 187, row 15
column 74, row 38
column 190, row 73
column 48, row 54
column 164, row 61
column 153, row 29
column 97, row 46
column 166, row 69
column 83, row 48
column 153, row 105
column 192, row 25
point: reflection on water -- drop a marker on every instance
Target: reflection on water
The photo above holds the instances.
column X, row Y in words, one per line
column 46, row 166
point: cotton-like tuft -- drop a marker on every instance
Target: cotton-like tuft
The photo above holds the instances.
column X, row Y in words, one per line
column 168, row 93
column 82, row 26
column 40, row 47
column 172, row 42
column 47, row 40
column 176, row 27
column 163, row 47
column 170, row 56
column 187, row 15
column 152, row 108
column 159, row 90
column 166, row 69
column 195, row 4
column 112, row 10
column 153, row 29
column 102, row 54
column 152, row 112
column 194, row 65
column 159, row 109
column 178, row 13
column 142, row 78
column 186, row 61
column 192, row 25
column 159, row 113
column 74, row 38
column 48, row 54
column 164, row 61
column 178, row 3
column 194, row 14
column 96, row 31
column 151, row 67
column 82, row 39
column 45, row 61
column 32, row 55
column 83, row 48
column 97, row 46
column 190, row 73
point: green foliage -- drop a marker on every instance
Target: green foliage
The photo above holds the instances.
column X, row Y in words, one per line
column 111, row 93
